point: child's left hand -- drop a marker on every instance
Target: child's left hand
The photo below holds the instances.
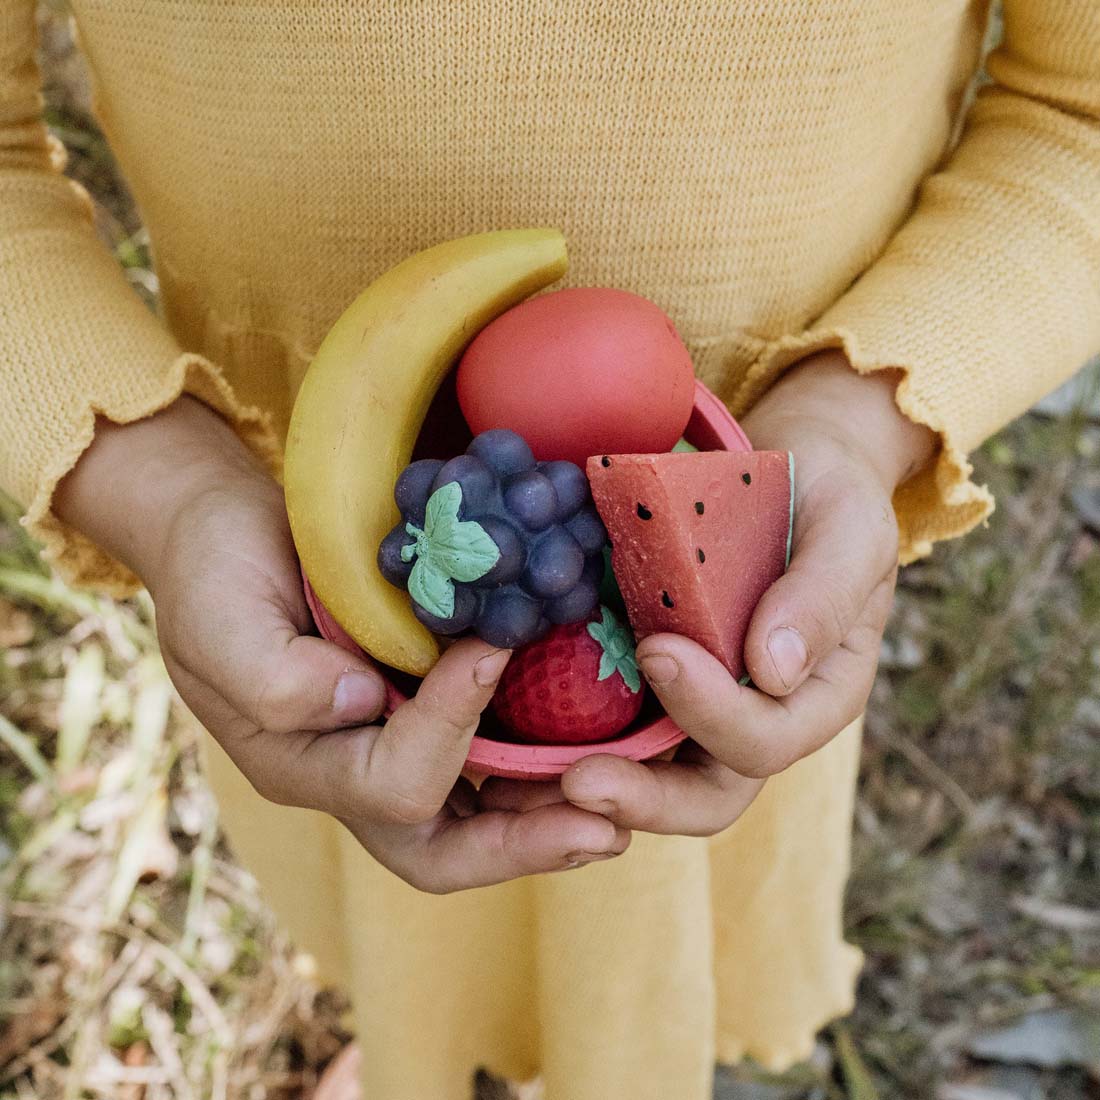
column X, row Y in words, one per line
column 813, row 644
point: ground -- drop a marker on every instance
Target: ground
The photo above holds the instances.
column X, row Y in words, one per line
column 137, row 960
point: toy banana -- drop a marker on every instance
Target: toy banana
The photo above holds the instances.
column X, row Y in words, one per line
column 360, row 409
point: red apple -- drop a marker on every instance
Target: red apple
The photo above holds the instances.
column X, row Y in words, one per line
column 580, row 372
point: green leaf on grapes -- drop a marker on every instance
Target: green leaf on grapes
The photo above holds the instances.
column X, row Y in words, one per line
column 447, row 549
column 432, row 589
column 617, row 646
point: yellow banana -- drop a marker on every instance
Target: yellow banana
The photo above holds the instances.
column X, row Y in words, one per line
column 359, row 412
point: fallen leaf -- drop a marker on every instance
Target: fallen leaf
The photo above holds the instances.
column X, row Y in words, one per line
column 29, row 1026
column 1020, row 1082
column 901, row 652
column 1058, row 1037
column 76, row 782
column 16, row 626
column 133, row 859
column 1067, row 918
column 136, row 1054
column 1086, row 503
column 949, row 906
column 973, row 1092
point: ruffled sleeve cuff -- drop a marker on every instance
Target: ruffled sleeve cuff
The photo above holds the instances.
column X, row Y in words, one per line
column 78, row 560
column 942, row 501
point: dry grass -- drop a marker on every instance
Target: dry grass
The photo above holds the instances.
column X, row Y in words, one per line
column 137, row 961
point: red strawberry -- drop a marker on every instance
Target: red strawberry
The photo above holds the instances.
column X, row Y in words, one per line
column 578, row 683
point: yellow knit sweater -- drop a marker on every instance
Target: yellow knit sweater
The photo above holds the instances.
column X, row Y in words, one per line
column 779, row 177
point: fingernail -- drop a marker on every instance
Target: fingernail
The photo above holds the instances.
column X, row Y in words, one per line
column 579, row 859
column 490, row 668
column 788, row 654
column 660, row 669
column 603, row 806
column 358, row 695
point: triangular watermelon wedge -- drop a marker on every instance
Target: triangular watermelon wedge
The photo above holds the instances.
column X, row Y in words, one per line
column 696, row 539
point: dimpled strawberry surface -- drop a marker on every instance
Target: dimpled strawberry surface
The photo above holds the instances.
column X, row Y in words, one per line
column 696, row 540
column 578, row 684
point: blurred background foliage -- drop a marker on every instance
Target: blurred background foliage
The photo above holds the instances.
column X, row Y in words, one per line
column 137, row 960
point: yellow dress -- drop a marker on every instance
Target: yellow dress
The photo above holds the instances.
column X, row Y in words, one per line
column 778, row 177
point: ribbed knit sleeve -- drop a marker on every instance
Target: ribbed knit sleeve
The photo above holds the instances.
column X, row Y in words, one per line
column 75, row 340
column 989, row 295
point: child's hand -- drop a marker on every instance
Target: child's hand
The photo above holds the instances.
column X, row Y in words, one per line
column 208, row 533
column 813, row 644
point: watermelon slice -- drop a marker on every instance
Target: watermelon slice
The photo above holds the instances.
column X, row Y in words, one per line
column 696, row 539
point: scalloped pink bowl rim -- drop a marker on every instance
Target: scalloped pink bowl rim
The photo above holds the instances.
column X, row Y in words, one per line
column 711, row 428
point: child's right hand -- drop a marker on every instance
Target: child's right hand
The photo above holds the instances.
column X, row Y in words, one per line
column 178, row 499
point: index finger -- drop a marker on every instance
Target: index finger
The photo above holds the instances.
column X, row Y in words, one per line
column 695, row 795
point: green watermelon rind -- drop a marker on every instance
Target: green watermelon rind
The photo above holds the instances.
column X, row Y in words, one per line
column 790, row 520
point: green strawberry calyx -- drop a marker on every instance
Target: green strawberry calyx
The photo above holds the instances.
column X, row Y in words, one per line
column 447, row 549
column 616, row 644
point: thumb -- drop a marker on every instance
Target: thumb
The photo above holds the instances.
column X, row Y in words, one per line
column 249, row 651
column 844, row 545
column 401, row 772
column 311, row 684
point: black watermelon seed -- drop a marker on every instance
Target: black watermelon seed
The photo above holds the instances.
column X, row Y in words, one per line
column 700, row 555
column 644, row 512
column 605, row 462
column 666, row 599
column 746, row 478
column 699, row 507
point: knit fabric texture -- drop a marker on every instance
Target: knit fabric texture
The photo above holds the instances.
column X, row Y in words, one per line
column 778, row 177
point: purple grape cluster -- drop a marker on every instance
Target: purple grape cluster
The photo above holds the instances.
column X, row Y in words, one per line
column 541, row 518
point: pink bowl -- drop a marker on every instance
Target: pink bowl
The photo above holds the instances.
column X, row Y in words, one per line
column 711, row 428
